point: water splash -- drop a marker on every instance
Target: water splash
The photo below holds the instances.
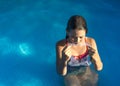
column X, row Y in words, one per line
column 8, row 46
column 25, row 49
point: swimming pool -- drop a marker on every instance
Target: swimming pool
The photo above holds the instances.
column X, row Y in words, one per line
column 29, row 30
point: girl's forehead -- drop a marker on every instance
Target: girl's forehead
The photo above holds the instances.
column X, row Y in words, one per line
column 77, row 32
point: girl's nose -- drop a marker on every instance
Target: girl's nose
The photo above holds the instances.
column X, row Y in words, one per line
column 77, row 39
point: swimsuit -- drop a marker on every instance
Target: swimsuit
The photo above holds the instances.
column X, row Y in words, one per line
column 76, row 62
column 81, row 60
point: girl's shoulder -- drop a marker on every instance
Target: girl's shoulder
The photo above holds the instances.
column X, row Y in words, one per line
column 90, row 40
column 61, row 43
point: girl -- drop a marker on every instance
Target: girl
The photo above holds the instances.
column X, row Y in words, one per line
column 76, row 53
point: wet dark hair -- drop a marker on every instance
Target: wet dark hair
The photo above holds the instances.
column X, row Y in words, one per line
column 76, row 22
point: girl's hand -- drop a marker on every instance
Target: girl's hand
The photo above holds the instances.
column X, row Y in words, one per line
column 91, row 51
column 66, row 53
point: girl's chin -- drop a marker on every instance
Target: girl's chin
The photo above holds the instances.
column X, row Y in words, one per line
column 75, row 43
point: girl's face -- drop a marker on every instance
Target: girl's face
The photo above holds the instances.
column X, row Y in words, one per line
column 76, row 36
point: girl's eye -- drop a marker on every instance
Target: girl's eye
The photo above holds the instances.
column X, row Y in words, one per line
column 80, row 37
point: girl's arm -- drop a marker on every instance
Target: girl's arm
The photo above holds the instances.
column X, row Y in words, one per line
column 61, row 64
column 95, row 57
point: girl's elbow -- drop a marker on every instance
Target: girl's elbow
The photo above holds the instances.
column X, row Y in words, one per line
column 100, row 66
column 61, row 73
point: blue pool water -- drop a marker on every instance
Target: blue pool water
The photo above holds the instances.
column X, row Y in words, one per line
column 29, row 30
